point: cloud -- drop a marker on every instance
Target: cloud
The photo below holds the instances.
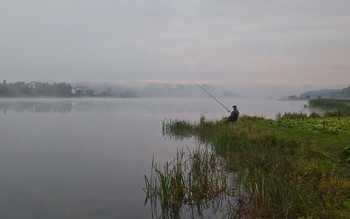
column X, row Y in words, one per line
column 255, row 41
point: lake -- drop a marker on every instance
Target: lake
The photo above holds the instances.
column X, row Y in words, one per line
column 86, row 158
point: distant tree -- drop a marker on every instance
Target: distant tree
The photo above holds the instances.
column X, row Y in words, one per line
column 25, row 91
column 79, row 93
column 293, row 97
column 106, row 93
column 62, row 89
column 345, row 93
column 4, row 90
column 19, row 84
column 103, row 94
column 90, row 92
column 44, row 89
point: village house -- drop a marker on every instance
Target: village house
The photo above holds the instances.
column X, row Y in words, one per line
column 79, row 89
column 32, row 84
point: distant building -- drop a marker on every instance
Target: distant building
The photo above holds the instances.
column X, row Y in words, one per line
column 32, row 84
column 19, row 84
column 79, row 90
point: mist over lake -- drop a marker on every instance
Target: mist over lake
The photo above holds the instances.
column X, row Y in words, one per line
column 86, row 158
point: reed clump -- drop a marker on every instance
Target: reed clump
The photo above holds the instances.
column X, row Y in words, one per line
column 192, row 179
column 280, row 171
column 291, row 115
column 178, row 128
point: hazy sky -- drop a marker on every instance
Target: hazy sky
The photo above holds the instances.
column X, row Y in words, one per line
column 238, row 42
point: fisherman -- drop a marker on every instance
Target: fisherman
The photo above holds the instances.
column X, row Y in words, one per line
column 234, row 115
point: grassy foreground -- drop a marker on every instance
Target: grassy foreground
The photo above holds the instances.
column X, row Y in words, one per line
column 294, row 167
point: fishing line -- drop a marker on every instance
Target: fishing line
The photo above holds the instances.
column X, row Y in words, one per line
column 210, row 95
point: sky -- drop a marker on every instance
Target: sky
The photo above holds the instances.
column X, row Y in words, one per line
column 235, row 43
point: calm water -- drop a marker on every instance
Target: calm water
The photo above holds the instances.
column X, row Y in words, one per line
column 86, row 158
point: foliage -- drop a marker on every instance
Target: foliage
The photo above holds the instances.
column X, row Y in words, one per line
column 20, row 89
column 346, row 153
column 4, row 90
column 181, row 129
column 314, row 115
column 316, row 125
column 344, row 93
column 327, row 103
column 291, row 116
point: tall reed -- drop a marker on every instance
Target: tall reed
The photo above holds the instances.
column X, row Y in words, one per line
column 193, row 179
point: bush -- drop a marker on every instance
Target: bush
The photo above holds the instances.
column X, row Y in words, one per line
column 314, row 115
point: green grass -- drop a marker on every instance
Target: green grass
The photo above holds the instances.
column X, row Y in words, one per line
column 296, row 167
column 328, row 125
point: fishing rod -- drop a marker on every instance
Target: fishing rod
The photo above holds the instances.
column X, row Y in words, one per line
column 211, row 96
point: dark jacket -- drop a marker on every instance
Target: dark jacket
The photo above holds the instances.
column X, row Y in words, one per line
column 234, row 115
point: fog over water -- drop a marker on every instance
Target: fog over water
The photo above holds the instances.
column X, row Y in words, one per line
column 86, row 158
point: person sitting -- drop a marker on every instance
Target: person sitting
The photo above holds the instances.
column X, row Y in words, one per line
column 234, row 115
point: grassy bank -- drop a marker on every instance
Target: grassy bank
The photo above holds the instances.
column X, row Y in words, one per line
column 292, row 167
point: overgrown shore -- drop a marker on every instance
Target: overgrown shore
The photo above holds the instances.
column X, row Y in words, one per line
column 293, row 167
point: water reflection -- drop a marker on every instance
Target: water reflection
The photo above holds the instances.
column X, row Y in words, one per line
column 36, row 107
column 148, row 107
column 180, row 108
column 220, row 207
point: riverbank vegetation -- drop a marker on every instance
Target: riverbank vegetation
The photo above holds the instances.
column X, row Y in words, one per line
column 192, row 179
column 334, row 106
column 20, row 89
column 293, row 167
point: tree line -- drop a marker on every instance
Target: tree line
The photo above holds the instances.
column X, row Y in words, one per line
column 36, row 89
column 158, row 90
